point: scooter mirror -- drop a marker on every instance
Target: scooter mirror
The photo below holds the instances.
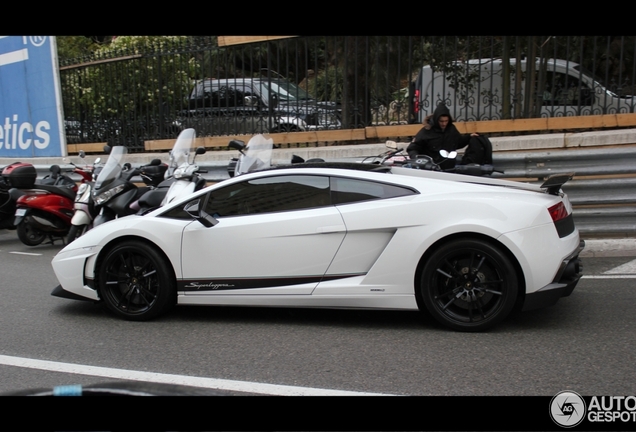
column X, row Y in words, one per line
column 236, row 145
column 448, row 155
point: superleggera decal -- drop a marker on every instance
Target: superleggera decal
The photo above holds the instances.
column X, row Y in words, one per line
column 234, row 284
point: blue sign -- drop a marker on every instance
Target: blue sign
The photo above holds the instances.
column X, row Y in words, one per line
column 31, row 120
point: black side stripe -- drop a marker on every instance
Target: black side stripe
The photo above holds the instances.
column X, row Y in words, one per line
column 247, row 283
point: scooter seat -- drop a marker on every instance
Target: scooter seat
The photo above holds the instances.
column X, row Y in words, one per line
column 64, row 191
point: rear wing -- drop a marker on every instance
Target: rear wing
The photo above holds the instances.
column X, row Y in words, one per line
column 554, row 182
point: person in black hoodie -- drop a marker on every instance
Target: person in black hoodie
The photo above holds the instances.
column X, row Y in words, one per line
column 438, row 133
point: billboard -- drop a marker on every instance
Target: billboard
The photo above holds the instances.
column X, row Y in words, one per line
column 31, row 119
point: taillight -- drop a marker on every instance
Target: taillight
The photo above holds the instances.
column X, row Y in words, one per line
column 558, row 212
column 416, row 108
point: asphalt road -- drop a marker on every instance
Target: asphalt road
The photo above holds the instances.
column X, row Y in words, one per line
column 585, row 343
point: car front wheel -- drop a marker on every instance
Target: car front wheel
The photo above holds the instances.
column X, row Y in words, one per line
column 469, row 285
column 135, row 281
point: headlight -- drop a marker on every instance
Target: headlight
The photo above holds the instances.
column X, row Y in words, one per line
column 179, row 173
column 101, row 198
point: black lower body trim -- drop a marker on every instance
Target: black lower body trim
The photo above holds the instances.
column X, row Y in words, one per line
column 565, row 281
column 248, row 283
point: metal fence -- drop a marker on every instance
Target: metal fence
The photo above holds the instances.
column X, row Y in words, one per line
column 151, row 88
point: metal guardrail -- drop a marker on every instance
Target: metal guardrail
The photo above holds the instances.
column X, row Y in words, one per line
column 603, row 191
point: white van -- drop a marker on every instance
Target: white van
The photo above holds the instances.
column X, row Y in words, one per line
column 473, row 91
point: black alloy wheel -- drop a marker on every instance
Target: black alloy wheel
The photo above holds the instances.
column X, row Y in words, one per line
column 135, row 281
column 469, row 285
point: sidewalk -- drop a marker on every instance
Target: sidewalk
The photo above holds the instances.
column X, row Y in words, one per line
column 609, row 248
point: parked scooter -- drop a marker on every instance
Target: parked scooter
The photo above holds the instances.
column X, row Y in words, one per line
column 254, row 156
column 83, row 208
column 182, row 177
column 7, row 205
column 45, row 210
column 114, row 191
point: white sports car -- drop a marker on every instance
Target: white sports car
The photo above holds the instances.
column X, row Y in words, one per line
column 464, row 249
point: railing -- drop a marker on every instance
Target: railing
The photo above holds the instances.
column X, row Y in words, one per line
column 139, row 94
column 603, row 192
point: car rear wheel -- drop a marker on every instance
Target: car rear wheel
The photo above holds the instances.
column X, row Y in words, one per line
column 469, row 285
column 135, row 281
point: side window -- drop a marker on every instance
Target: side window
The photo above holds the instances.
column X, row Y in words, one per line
column 268, row 195
column 347, row 190
column 562, row 89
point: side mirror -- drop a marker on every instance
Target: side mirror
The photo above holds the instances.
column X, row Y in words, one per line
column 237, row 145
column 193, row 209
column 82, row 154
column 273, row 101
column 251, row 101
column 200, row 151
column 392, row 145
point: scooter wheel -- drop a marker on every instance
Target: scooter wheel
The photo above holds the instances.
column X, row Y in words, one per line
column 76, row 231
column 29, row 235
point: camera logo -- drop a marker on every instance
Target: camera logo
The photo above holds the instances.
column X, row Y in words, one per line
column 567, row 409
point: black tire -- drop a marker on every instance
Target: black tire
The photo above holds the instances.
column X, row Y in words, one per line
column 29, row 235
column 135, row 281
column 469, row 285
column 76, row 231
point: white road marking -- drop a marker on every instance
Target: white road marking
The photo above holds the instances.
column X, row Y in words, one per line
column 627, row 268
column 211, row 383
column 26, row 253
column 625, row 271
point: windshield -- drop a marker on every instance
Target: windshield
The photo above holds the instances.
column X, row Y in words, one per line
column 113, row 167
column 182, row 149
column 284, row 90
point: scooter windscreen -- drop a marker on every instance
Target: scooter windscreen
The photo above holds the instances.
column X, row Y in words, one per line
column 181, row 151
column 113, row 167
column 257, row 156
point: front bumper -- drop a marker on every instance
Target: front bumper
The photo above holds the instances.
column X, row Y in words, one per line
column 567, row 277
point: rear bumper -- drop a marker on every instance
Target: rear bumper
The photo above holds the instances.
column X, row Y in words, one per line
column 567, row 277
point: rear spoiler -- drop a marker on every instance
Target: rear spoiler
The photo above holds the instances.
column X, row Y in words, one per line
column 554, row 182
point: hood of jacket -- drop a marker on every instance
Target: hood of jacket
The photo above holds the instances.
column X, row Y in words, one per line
column 441, row 110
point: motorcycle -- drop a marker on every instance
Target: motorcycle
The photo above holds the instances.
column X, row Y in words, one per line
column 45, row 210
column 181, row 178
column 396, row 157
column 114, row 191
